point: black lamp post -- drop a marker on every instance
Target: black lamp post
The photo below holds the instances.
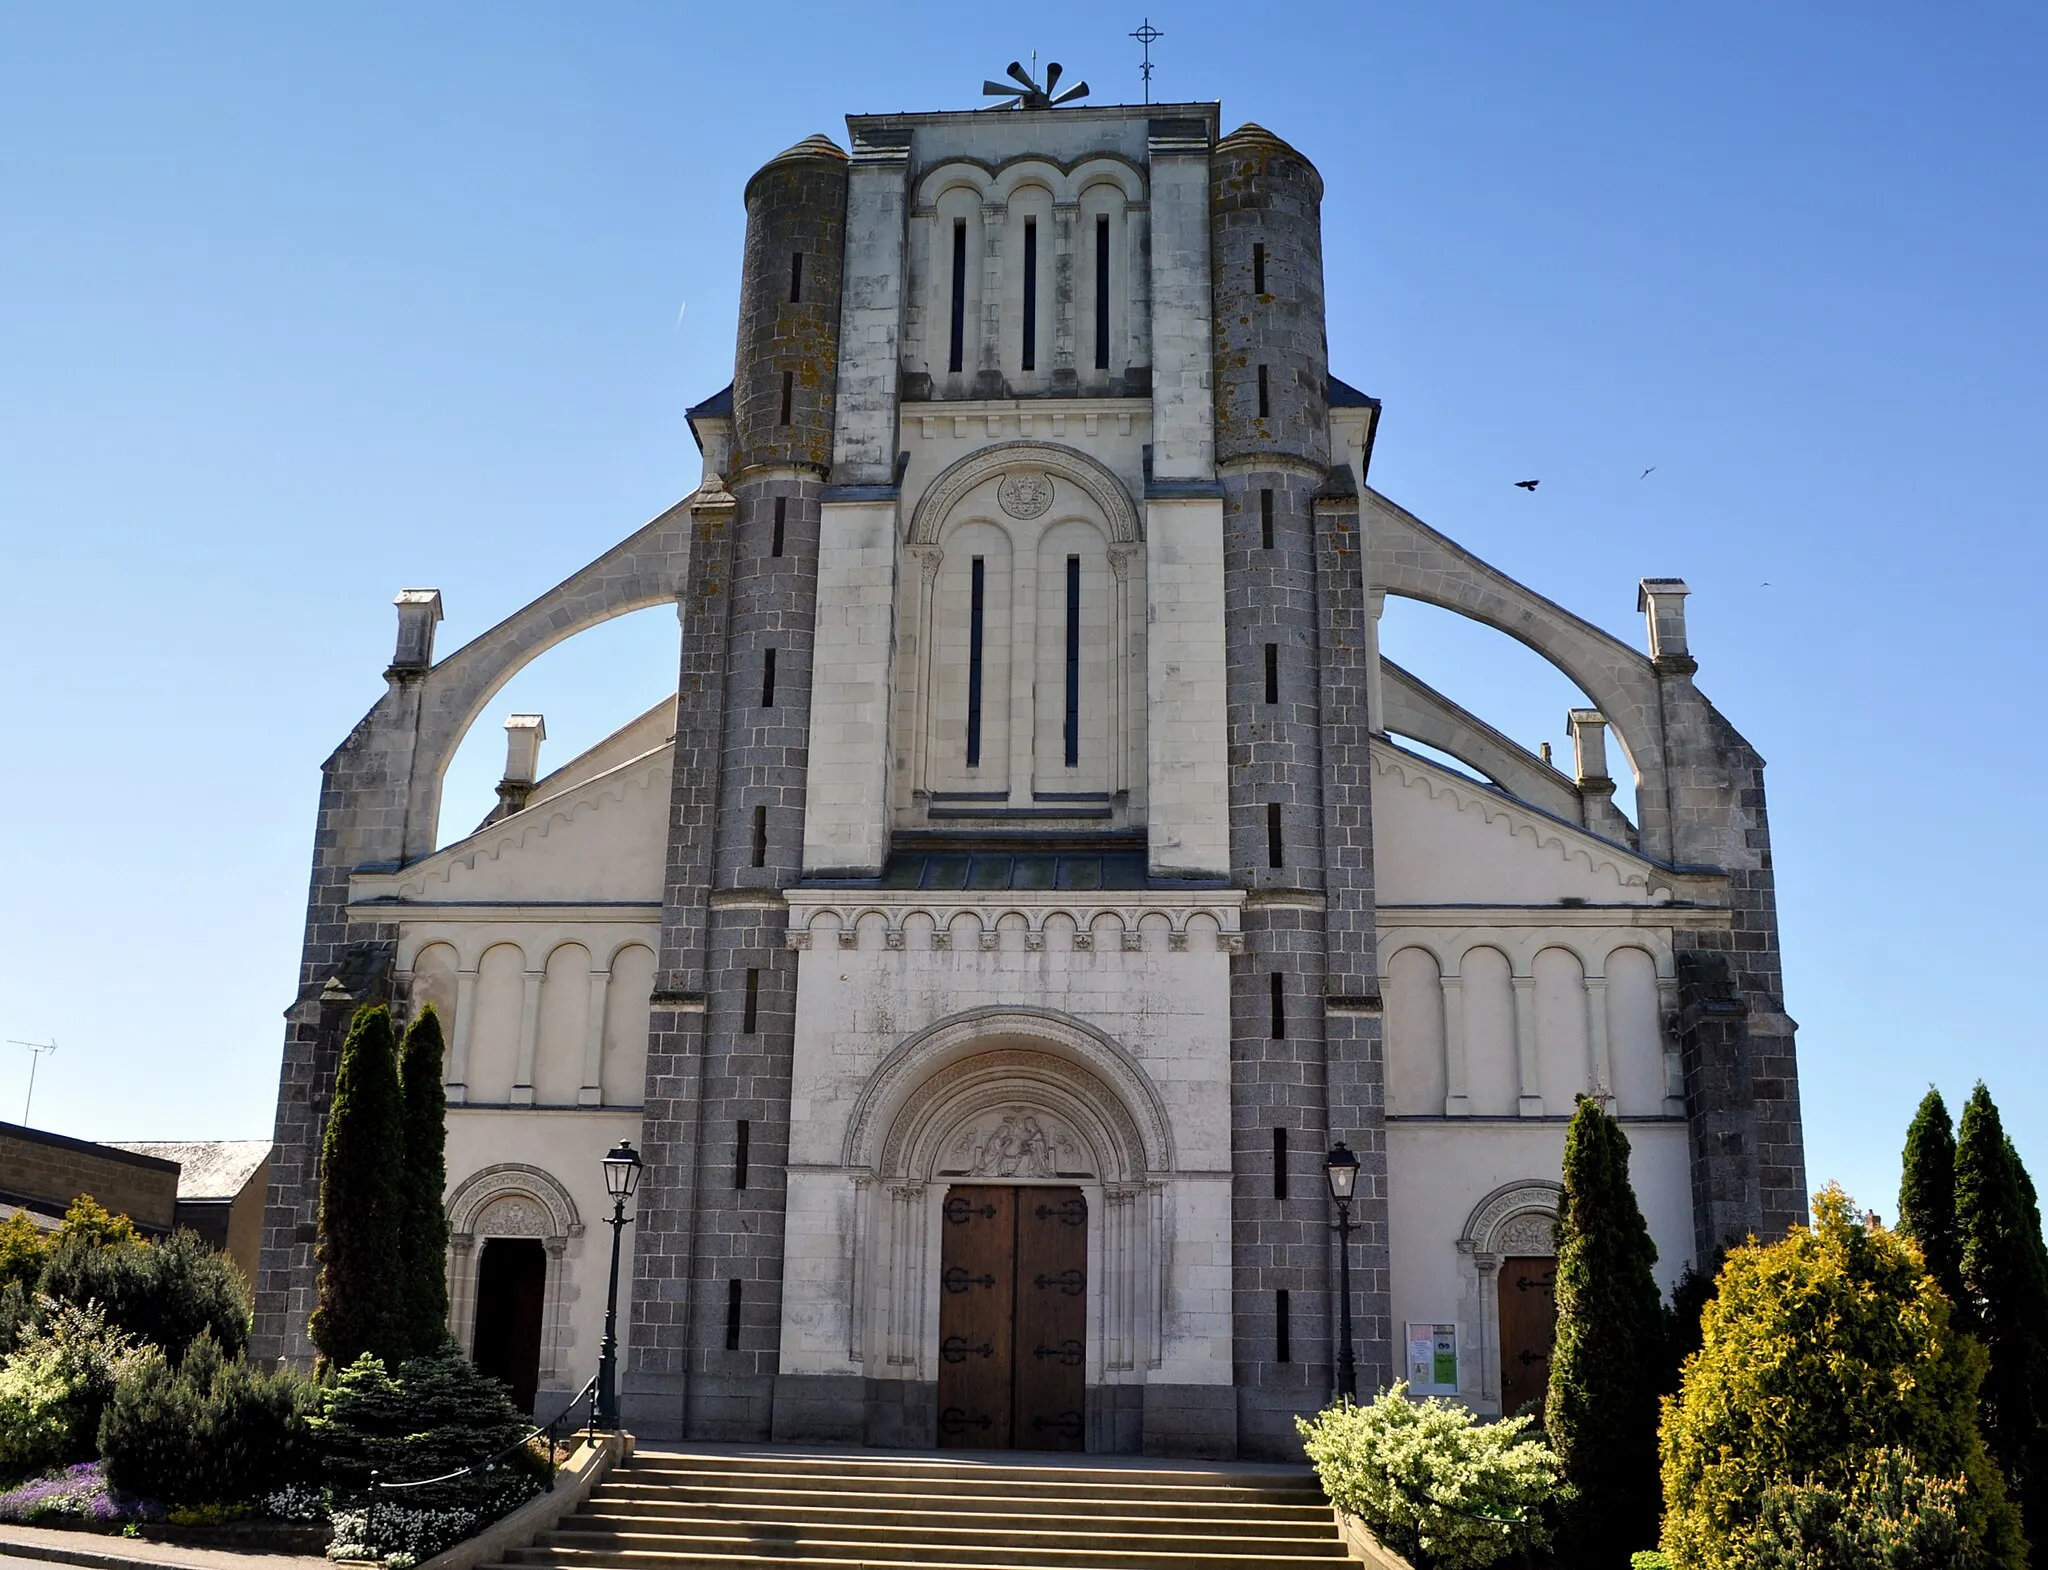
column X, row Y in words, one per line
column 1340, row 1166
column 621, row 1177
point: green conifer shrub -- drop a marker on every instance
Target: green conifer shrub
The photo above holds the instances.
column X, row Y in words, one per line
column 1888, row 1517
column 1600, row 1415
column 165, row 1293
column 1818, row 1353
column 362, row 1157
column 1927, row 1202
column 424, row 1225
column 2005, row 1276
column 211, row 1431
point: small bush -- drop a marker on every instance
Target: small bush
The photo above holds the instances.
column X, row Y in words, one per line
column 1889, row 1517
column 1432, row 1481
column 167, row 1293
column 23, row 1248
column 406, row 1535
column 436, row 1415
column 209, row 1432
column 1648, row 1559
column 57, row 1382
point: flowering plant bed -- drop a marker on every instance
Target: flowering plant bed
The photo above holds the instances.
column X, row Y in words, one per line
column 74, row 1496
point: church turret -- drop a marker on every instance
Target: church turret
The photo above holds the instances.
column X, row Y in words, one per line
column 1266, row 268
column 787, row 361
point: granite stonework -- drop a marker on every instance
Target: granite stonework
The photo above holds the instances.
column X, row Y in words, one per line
column 1032, row 809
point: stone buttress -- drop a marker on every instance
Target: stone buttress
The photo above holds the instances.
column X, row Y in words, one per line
column 708, row 1269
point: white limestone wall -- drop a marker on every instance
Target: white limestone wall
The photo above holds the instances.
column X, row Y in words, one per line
column 510, row 1171
column 1186, row 709
column 1151, row 973
column 846, row 823
column 1439, row 1173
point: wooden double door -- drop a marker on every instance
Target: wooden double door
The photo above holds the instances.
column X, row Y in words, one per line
column 1013, row 1318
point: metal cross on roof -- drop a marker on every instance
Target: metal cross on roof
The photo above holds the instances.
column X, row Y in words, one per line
column 1029, row 95
column 1148, row 35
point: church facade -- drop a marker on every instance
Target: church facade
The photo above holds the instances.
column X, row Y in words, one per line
column 1034, row 874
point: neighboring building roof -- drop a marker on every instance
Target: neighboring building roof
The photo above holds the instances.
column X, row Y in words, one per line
column 717, row 406
column 1344, row 396
column 207, row 1168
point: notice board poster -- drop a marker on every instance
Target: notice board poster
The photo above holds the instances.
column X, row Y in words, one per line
column 1432, row 1359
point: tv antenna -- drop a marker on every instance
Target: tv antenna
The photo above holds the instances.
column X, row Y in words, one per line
column 38, row 1050
column 1148, row 35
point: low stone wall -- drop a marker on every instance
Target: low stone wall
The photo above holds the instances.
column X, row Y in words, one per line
column 573, row 1485
column 1363, row 1546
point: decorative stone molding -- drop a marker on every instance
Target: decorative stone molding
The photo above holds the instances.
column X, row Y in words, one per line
column 1514, row 1215
column 1038, row 459
column 1182, row 912
column 1570, row 844
column 1094, row 1084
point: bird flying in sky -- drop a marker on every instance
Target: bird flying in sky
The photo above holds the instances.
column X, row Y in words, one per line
column 1527, row 485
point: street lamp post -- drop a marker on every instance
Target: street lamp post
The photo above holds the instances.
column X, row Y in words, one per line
column 621, row 1177
column 1341, row 1168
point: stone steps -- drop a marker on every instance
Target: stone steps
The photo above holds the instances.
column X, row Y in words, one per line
column 713, row 1508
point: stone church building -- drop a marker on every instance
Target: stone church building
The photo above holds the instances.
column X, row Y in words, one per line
column 1035, row 872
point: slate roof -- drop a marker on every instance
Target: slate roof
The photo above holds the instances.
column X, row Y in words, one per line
column 207, row 1168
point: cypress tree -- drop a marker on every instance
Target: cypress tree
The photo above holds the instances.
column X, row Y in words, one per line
column 1600, row 1416
column 2005, row 1272
column 361, row 1158
column 424, row 1227
column 1927, row 1201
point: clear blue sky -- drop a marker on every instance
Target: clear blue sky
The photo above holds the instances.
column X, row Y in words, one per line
column 298, row 307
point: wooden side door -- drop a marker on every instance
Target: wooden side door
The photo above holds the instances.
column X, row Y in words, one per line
column 977, row 1312
column 1052, row 1319
column 1528, row 1330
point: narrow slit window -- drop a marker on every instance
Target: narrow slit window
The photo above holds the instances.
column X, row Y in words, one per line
column 1102, row 294
column 1258, row 269
column 732, row 1316
column 1265, row 397
column 1031, row 294
column 1266, row 519
column 975, row 610
column 1279, row 1162
column 750, row 1016
column 959, row 295
column 1283, row 1332
column 767, row 678
column 789, row 392
column 796, row 277
column 1279, row 1029
column 781, row 517
column 1272, row 673
column 739, row 1154
column 1073, row 661
column 1275, row 856
column 760, row 836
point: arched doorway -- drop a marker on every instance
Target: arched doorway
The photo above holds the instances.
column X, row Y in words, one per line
column 1509, row 1239
column 511, row 1296
column 1011, row 1231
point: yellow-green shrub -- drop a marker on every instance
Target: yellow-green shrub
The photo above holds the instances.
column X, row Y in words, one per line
column 1818, row 1353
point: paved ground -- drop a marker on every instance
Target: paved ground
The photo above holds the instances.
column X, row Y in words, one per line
column 30, row 1545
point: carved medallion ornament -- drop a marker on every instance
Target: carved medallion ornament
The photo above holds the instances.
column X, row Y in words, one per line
column 1025, row 496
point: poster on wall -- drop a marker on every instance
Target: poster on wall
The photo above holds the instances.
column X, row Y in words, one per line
column 1432, row 1359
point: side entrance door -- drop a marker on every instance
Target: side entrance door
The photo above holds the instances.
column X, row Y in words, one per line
column 1013, row 1318
column 1528, row 1330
